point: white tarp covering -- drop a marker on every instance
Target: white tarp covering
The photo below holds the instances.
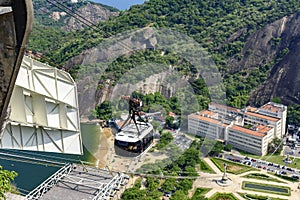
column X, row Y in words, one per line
column 44, row 111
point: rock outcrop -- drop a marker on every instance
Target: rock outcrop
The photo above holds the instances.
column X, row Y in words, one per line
column 91, row 13
column 276, row 44
column 284, row 78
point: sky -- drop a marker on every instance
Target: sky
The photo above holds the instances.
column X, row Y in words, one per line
column 120, row 4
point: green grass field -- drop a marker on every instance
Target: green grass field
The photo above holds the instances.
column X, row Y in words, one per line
column 204, row 167
column 199, row 193
column 258, row 197
column 232, row 167
column 223, row 196
column 279, row 160
column 261, row 177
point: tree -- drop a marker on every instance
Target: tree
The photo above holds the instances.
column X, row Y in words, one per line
column 275, row 146
column 5, row 178
column 93, row 114
column 133, row 194
column 169, row 121
column 152, row 184
column 276, row 100
column 179, row 195
column 228, row 147
column 293, row 116
column 185, row 185
column 169, row 185
column 165, row 139
column 104, row 110
column 217, row 149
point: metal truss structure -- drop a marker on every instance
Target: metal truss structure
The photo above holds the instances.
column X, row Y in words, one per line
column 44, row 113
column 108, row 191
column 80, row 182
column 39, row 191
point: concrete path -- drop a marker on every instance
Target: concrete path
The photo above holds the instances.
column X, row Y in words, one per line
column 212, row 165
column 238, row 196
column 206, row 180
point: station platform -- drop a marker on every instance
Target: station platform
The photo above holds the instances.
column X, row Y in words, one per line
column 80, row 182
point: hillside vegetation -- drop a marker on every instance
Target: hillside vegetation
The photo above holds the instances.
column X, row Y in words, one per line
column 56, row 22
column 222, row 27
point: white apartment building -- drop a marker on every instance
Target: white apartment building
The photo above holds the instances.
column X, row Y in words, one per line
column 253, row 118
column 206, row 124
column 277, row 111
column 254, row 140
column 249, row 129
column 223, row 110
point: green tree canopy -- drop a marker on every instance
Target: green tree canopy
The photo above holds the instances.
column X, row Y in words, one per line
column 104, row 110
column 275, row 146
column 5, row 181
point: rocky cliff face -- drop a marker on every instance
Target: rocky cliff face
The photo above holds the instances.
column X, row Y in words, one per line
column 92, row 13
column 278, row 42
column 71, row 15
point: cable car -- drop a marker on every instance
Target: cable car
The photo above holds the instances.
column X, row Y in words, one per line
column 133, row 139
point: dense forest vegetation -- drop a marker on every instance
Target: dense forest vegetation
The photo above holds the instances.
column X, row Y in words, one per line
column 47, row 33
column 181, row 165
column 221, row 27
column 210, row 23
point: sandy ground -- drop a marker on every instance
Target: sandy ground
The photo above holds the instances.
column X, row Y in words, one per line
column 105, row 147
column 107, row 158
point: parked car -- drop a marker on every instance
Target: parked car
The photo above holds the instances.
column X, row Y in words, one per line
column 295, row 176
column 168, row 194
column 278, row 166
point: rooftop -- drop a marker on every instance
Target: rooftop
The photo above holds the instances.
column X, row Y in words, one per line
column 207, row 119
column 130, row 134
column 253, row 114
column 207, row 113
column 271, row 107
column 228, row 108
column 251, row 109
column 261, row 131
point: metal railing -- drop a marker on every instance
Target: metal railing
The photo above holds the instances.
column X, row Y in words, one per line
column 40, row 190
column 109, row 190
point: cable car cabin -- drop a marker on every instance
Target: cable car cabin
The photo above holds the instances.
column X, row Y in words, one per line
column 130, row 142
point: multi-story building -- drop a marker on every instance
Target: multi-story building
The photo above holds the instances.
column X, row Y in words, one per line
column 254, row 140
column 277, row 111
column 253, row 118
column 249, row 129
column 206, row 124
column 223, row 110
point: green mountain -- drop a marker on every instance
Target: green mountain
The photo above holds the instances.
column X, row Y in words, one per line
column 254, row 43
column 56, row 21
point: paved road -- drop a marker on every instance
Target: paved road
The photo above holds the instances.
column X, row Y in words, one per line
column 264, row 165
